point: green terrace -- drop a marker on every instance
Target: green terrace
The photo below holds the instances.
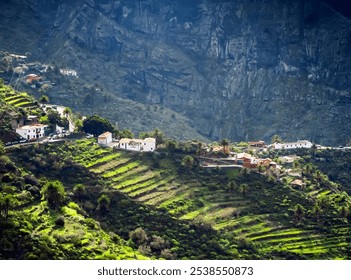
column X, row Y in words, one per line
column 207, row 198
column 18, row 99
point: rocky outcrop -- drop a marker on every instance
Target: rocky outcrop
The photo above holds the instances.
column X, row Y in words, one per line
column 237, row 69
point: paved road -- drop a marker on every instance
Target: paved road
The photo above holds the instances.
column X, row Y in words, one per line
column 221, row 166
column 44, row 141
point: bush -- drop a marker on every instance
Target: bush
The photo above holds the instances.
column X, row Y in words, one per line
column 60, row 221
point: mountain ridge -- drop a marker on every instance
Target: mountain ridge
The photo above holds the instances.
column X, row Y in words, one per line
column 232, row 69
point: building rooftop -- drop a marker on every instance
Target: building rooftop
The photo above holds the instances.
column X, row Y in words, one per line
column 38, row 125
column 105, row 134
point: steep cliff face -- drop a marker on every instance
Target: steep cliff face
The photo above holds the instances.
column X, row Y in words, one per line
column 237, row 69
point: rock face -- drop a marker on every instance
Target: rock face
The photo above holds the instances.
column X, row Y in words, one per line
column 241, row 69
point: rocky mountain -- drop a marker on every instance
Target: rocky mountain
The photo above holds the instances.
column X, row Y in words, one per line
column 237, row 69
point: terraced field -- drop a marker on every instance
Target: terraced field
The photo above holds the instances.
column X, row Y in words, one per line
column 207, row 199
column 19, row 99
column 135, row 178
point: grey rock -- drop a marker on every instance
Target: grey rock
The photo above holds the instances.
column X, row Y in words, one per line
column 239, row 69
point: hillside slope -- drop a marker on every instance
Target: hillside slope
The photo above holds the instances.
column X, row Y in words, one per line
column 236, row 69
column 193, row 213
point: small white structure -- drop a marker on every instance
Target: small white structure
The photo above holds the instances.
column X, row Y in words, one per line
column 138, row 145
column 149, row 144
column 293, row 145
column 105, row 138
column 32, row 132
column 68, row 72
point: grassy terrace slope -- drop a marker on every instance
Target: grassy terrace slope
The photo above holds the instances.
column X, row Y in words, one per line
column 195, row 210
column 18, row 99
column 154, row 233
column 31, row 229
column 264, row 216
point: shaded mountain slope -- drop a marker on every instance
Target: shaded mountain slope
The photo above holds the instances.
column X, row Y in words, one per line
column 236, row 69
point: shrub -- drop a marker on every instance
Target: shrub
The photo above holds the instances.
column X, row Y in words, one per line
column 60, row 221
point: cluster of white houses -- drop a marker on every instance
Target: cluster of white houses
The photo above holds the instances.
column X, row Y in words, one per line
column 137, row 145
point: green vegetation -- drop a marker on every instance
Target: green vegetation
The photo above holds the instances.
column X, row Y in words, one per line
column 255, row 216
column 96, row 125
column 78, row 200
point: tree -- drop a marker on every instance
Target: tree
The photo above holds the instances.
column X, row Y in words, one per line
column 78, row 125
column 67, row 111
column 243, row 189
column 139, row 236
column 143, row 135
column 54, row 193
column 232, row 186
column 188, row 161
column 318, row 176
column 2, row 148
column 276, row 139
column 126, row 133
column 103, row 203
column 7, row 202
column 96, row 125
column 225, row 145
column 199, row 148
column 171, row 145
column 296, row 164
column 44, row 99
column 299, row 212
column 344, row 211
column 44, row 120
column 54, row 117
column 317, row 211
column 80, row 191
column 307, row 169
column 158, row 135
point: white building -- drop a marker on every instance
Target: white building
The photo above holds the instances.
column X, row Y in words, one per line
column 293, row 145
column 105, row 138
column 149, row 144
column 138, row 145
column 69, row 72
column 32, row 132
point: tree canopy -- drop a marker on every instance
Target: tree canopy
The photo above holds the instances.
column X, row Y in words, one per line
column 276, row 139
column 96, row 125
column 54, row 193
column 44, row 99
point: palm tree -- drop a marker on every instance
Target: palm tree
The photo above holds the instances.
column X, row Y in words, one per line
column 243, row 189
column 199, row 148
column 225, row 145
column 307, row 169
column 276, row 139
column 296, row 164
column 171, row 145
column 299, row 212
column 317, row 211
column 232, row 186
column 67, row 111
column 188, row 161
column 158, row 135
